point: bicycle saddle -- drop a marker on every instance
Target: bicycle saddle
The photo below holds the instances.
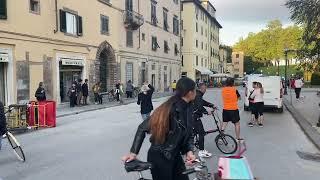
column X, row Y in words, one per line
column 137, row 165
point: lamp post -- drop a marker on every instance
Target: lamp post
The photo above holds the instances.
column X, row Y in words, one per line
column 285, row 72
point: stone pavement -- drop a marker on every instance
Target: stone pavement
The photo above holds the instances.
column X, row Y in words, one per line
column 306, row 112
column 65, row 110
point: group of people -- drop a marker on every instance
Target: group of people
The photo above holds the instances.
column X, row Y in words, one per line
column 78, row 93
column 172, row 124
column 256, row 104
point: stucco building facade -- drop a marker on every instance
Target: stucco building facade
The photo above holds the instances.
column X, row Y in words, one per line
column 200, row 39
column 238, row 64
column 58, row 42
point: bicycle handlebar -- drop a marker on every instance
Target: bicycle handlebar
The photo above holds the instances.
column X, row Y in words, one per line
column 189, row 171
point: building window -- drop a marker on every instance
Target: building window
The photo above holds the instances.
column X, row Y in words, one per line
column 166, row 47
column 3, row 9
column 129, row 72
column 175, row 25
column 35, row 6
column 206, row 63
column 129, row 39
column 70, row 23
column 154, row 44
column 237, row 55
column 165, row 68
column 104, row 24
column 201, row 45
column 181, row 60
column 153, row 80
column 181, row 42
column 206, row 20
column 181, row 25
column 201, row 30
column 129, row 5
column 206, row 33
column 197, row 60
column 154, row 19
column 165, row 19
column 176, row 1
column 196, row 27
column 176, row 49
column 143, row 36
column 206, row 46
column 196, row 43
column 153, row 66
column 201, row 61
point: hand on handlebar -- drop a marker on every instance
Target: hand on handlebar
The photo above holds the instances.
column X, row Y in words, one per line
column 190, row 158
column 129, row 157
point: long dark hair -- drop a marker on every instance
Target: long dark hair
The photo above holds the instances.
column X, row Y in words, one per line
column 159, row 122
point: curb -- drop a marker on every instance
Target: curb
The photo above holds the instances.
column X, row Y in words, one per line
column 103, row 107
column 306, row 127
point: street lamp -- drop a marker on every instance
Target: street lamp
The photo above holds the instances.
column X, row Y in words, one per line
column 286, row 51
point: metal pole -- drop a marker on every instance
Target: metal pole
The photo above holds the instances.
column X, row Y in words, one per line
column 285, row 74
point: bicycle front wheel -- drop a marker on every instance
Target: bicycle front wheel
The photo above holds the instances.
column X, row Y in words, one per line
column 226, row 144
column 16, row 147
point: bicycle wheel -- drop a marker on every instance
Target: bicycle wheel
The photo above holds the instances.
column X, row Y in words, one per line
column 226, row 144
column 16, row 147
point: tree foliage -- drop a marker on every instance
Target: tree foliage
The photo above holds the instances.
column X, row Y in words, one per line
column 269, row 44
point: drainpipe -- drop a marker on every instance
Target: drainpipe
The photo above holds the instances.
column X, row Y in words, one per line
column 56, row 9
column 140, row 26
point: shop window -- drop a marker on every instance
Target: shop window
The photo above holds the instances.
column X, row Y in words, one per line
column 129, row 39
column 165, row 19
column 70, row 23
column 3, row 9
column 104, row 24
column 35, row 6
column 129, row 72
column 154, row 44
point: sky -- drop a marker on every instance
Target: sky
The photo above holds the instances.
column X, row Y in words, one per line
column 239, row 17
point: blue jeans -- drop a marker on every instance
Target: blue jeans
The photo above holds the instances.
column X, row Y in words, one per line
column 145, row 116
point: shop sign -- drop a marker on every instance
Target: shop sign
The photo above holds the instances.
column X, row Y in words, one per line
column 4, row 57
column 72, row 62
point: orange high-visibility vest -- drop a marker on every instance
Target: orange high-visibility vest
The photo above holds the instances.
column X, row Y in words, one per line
column 230, row 98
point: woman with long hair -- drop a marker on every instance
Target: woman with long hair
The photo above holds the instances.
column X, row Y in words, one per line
column 257, row 95
column 170, row 127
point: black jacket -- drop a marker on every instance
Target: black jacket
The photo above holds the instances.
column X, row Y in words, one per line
column 145, row 100
column 3, row 128
column 85, row 89
column 79, row 88
column 199, row 102
column 40, row 94
column 179, row 138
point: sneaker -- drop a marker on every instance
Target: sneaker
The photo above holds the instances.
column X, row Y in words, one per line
column 250, row 124
column 204, row 154
column 260, row 125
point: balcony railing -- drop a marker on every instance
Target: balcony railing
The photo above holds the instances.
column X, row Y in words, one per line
column 132, row 20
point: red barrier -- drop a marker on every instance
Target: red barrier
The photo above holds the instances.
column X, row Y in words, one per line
column 51, row 113
column 42, row 114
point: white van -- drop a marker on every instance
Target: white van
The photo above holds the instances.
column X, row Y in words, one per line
column 273, row 91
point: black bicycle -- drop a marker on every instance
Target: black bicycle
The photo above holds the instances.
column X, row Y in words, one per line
column 225, row 142
column 14, row 144
column 138, row 166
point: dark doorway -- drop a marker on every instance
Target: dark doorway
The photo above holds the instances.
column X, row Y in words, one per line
column 103, row 69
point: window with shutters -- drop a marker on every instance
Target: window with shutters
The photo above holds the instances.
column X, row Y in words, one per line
column 166, row 47
column 175, row 25
column 34, row 6
column 104, row 24
column 3, row 9
column 70, row 23
column 154, row 43
column 165, row 19
column 129, row 39
column 154, row 19
column 129, row 72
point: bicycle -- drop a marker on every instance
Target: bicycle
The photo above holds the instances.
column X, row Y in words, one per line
column 224, row 142
column 138, row 166
column 15, row 144
column 112, row 95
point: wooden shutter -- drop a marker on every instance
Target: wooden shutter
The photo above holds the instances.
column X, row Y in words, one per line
column 63, row 21
column 3, row 9
column 79, row 26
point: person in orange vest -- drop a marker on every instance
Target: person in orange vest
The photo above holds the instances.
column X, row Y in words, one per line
column 230, row 96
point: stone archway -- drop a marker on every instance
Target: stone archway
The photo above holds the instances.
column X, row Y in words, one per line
column 106, row 66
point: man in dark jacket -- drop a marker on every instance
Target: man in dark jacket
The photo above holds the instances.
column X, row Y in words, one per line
column 145, row 100
column 40, row 93
column 3, row 128
column 199, row 110
column 79, row 92
column 85, row 92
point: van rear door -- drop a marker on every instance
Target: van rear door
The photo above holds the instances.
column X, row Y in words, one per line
column 272, row 91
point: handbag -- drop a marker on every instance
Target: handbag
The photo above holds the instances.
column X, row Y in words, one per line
column 249, row 98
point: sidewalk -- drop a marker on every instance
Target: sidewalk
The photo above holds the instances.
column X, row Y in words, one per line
column 306, row 112
column 65, row 110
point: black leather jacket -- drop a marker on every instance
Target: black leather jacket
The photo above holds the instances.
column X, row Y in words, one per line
column 179, row 138
column 198, row 108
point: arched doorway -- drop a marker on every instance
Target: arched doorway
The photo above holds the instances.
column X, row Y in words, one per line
column 106, row 66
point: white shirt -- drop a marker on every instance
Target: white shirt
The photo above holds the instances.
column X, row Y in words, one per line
column 298, row 83
column 257, row 95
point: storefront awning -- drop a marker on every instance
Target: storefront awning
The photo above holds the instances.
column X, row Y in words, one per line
column 204, row 71
column 220, row 75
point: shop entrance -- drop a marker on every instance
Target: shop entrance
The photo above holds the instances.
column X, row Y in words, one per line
column 3, row 80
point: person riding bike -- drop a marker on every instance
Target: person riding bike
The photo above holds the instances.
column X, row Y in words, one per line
column 170, row 127
column 3, row 126
column 199, row 110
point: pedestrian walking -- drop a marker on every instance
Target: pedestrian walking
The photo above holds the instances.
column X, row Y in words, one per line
column 41, row 93
column 174, row 86
column 96, row 90
column 252, row 106
column 118, row 90
column 298, row 84
column 199, row 110
column 230, row 96
column 79, row 92
column 72, row 93
column 85, row 91
column 170, row 127
column 3, row 125
column 145, row 100
column 129, row 89
column 257, row 97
